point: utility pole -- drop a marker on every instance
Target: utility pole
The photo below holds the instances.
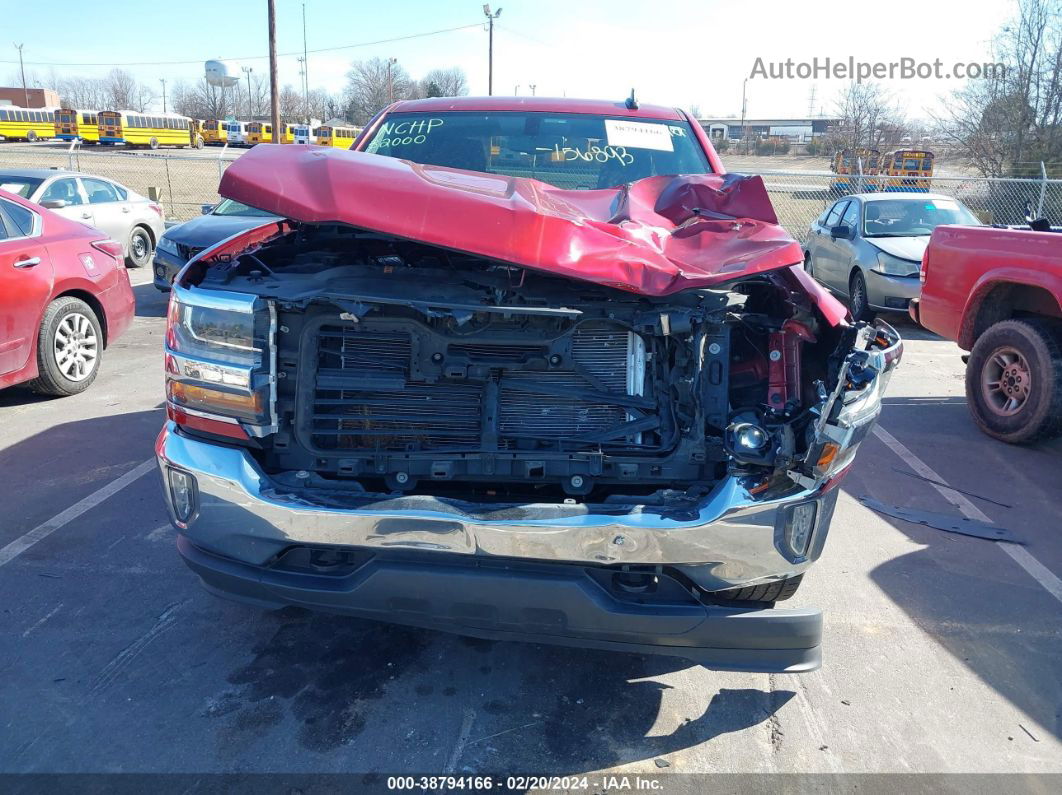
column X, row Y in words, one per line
column 744, row 132
column 163, row 81
column 302, row 79
column 516, row 90
column 532, row 86
column 247, row 71
column 22, row 69
column 811, row 102
column 390, row 85
column 305, row 69
column 274, row 96
column 490, row 46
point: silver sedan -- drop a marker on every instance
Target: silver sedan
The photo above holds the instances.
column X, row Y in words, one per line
column 133, row 220
column 868, row 247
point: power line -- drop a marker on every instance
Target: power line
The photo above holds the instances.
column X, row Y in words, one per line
column 256, row 57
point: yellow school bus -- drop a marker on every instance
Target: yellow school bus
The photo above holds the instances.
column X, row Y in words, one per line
column 26, row 124
column 215, row 132
column 907, row 170
column 151, row 130
column 847, row 165
column 339, row 137
column 196, row 129
column 72, row 124
column 260, row 132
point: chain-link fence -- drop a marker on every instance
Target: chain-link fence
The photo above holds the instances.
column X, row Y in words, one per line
column 182, row 182
column 186, row 181
column 799, row 197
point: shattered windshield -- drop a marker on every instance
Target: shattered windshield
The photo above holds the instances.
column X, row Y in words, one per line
column 569, row 150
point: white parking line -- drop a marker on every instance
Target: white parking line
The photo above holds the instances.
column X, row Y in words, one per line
column 42, row 531
column 1037, row 570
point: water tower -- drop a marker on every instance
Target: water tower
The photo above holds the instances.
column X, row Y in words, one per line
column 223, row 75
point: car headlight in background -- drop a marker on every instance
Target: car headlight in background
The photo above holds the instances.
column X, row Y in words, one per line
column 894, row 266
column 167, row 246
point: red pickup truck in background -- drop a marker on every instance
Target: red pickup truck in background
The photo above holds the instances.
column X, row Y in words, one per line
column 998, row 294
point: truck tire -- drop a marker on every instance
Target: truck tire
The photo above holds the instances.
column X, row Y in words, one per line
column 768, row 592
column 1014, row 381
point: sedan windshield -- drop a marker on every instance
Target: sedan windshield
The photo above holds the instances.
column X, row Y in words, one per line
column 569, row 150
column 911, row 217
column 20, row 186
column 230, row 207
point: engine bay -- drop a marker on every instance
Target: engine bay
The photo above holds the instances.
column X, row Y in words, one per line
column 407, row 368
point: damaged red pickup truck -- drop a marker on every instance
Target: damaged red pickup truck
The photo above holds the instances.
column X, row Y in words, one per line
column 501, row 372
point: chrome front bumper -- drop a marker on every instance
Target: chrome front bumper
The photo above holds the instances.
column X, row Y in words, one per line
column 732, row 538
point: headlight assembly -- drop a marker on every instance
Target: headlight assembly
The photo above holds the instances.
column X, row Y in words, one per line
column 167, row 246
column 894, row 266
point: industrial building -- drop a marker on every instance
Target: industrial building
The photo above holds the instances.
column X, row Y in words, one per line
column 796, row 130
column 29, row 97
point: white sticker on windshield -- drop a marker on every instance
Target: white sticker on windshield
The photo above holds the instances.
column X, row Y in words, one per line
column 13, row 187
column 638, row 134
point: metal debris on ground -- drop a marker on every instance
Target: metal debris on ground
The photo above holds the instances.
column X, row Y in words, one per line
column 942, row 521
column 948, row 486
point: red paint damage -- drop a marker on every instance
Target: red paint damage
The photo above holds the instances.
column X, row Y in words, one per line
column 655, row 237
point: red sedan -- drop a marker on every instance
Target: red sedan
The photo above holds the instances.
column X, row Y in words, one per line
column 64, row 296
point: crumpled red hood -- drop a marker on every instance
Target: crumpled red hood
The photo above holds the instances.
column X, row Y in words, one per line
column 656, row 236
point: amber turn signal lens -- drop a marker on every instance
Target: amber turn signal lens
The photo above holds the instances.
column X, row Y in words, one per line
column 206, row 399
column 829, row 452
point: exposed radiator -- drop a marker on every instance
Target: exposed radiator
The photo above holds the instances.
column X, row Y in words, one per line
column 364, row 398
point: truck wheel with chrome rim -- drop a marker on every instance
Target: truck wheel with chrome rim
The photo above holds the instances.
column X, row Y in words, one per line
column 69, row 347
column 1014, row 381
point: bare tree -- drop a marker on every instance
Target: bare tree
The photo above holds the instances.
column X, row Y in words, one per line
column 367, row 88
column 87, row 93
column 321, row 102
column 450, row 82
column 259, row 94
column 869, row 118
column 125, row 92
column 291, row 104
column 201, row 100
column 1009, row 120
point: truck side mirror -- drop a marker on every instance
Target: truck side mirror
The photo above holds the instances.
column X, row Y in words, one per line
column 53, row 204
column 205, row 209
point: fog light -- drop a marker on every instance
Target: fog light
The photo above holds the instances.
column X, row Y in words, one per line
column 182, row 495
column 799, row 524
column 749, row 438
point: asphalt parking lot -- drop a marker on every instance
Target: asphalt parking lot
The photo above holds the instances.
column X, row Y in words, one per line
column 943, row 653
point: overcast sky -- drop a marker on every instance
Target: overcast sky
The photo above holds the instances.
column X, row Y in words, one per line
column 678, row 52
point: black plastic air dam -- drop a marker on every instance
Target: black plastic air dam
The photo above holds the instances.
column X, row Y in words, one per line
column 564, row 608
